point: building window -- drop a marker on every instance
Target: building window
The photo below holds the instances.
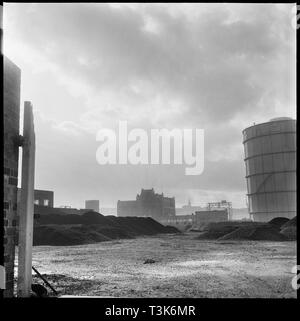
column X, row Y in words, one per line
column 36, row 202
column 46, row 202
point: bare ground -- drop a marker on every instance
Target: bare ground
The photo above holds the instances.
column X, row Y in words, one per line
column 184, row 267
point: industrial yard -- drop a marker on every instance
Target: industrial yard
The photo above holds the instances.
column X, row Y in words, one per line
column 165, row 163
column 181, row 267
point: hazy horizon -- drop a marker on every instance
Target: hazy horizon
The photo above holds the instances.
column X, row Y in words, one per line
column 217, row 67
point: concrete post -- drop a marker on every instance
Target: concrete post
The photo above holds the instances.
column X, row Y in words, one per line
column 26, row 205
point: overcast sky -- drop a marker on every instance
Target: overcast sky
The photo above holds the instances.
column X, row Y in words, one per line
column 86, row 66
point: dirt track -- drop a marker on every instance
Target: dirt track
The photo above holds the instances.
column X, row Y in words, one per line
column 184, row 267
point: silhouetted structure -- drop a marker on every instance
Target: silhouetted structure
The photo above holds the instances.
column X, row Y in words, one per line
column 188, row 209
column 43, row 198
column 148, row 204
column 270, row 157
column 11, row 113
column 92, row 205
column 211, row 216
column 200, row 217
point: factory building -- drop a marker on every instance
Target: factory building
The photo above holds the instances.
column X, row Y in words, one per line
column 148, row 204
column 270, row 159
column 198, row 219
column 11, row 115
column 44, row 204
column 43, row 198
column 188, row 209
column 92, row 205
column 211, row 216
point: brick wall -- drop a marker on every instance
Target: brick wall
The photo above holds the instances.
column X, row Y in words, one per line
column 41, row 196
column 11, row 113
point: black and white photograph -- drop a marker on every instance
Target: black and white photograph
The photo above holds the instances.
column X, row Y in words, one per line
column 149, row 151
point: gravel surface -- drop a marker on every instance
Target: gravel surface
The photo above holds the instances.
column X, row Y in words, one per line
column 183, row 267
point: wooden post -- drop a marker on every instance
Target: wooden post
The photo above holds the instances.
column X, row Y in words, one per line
column 26, row 205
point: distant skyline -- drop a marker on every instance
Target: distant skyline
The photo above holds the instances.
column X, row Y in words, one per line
column 217, row 67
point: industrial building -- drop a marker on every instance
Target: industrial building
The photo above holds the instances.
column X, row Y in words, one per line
column 41, row 197
column 18, row 218
column 92, row 205
column 63, row 210
column 211, row 216
column 195, row 220
column 11, row 114
column 203, row 216
column 270, row 159
column 148, row 204
column 188, row 209
column 44, row 198
column 44, row 204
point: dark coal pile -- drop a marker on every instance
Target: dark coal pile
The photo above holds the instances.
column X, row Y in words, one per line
column 219, row 226
column 92, row 227
column 292, row 222
column 213, row 235
column 289, row 229
column 66, row 235
column 213, row 231
column 264, row 232
column 62, row 219
column 256, row 231
column 141, row 225
column 290, row 233
column 278, row 221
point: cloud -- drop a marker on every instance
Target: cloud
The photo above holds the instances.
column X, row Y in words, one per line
column 219, row 67
column 69, row 128
column 214, row 66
